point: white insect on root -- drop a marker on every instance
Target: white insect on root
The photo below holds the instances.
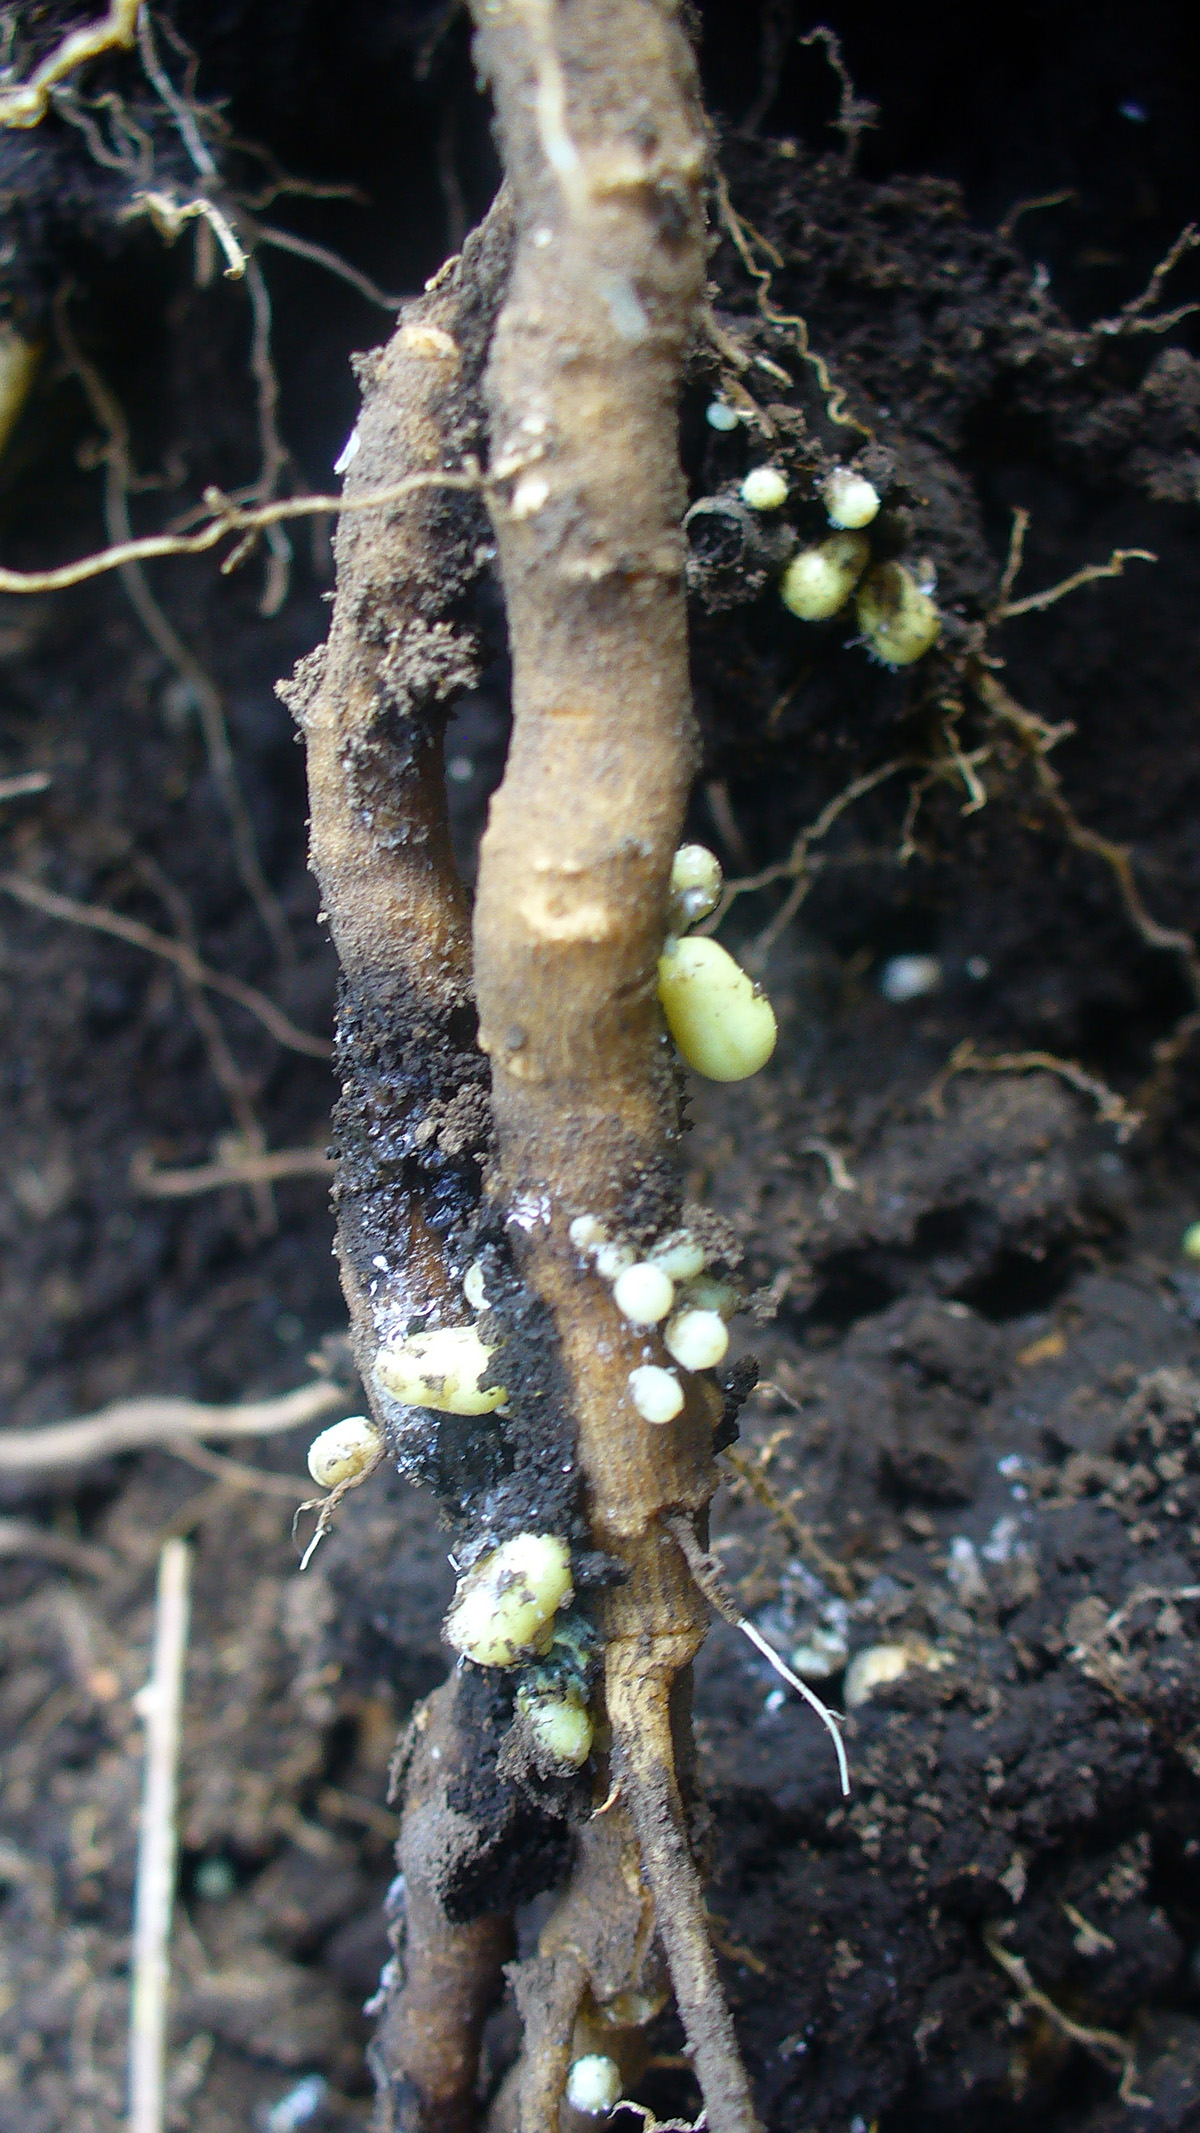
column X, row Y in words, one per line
column 850, row 499
column 899, row 621
column 706, row 1294
column 681, row 1255
column 695, row 886
column 560, row 1725
column 344, row 1450
column 643, row 1293
column 594, row 2085
column 656, row 1393
column 698, row 1340
column 764, row 489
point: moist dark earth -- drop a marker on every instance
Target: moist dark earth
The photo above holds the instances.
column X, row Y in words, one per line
column 968, row 1487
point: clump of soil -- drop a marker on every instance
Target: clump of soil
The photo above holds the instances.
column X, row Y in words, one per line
column 967, row 1492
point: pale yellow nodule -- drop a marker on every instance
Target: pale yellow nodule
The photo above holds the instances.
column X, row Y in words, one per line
column 440, row 1369
column 594, row 2085
column 697, row 1339
column 503, row 1612
column 850, row 499
column 344, row 1450
column 899, row 621
column 643, row 1293
column 820, row 580
column 560, row 1724
column 681, row 1255
column 764, row 489
column 724, row 1027
column 656, row 1393
column 695, row 887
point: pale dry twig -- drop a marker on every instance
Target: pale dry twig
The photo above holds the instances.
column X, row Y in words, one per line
column 132, row 1425
column 249, row 1169
column 26, row 103
column 1114, row 2052
column 160, row 1704
column 185, row 959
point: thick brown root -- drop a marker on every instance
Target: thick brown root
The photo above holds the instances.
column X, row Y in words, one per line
column 426, row 2050
column 605, row 152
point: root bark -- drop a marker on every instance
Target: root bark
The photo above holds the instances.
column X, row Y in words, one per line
column 605, row 151
column 371, row 704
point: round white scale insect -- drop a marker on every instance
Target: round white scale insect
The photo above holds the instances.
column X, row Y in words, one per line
column 698, row 1340
column 656, row 1393
column 764, row 489
column 850, row 499
column 643, row 1293
column 594, row 2085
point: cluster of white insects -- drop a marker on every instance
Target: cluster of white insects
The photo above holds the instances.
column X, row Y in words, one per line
column 507, row 1604
column 897, row 617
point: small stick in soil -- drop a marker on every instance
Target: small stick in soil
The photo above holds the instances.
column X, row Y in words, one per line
column 855, row 114
column 20, row 1536
column 809, row 1547
column 185, row 959
column 1034, row 603
column 251, row 1168
column 1037, row 739
column 135, row 1425
column 239, row 1476
column 1114, row 2052
column 224, row 1067
column 27, row 102
column 27, row 781
column 964, row 1059
column 1136, row 316
column 229, row 517
column 115, row 453
column 160, row 1704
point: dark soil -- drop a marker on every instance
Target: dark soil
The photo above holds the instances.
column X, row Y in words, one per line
column 977, row 1443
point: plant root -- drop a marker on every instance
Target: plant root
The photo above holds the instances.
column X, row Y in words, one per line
column 586, row 496
column 184, row 957
column 131, row 1425
column 644, row 1759
column 1114, row 2052
column 426, row 2051
column 1111, row 1109
column 371, row 704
